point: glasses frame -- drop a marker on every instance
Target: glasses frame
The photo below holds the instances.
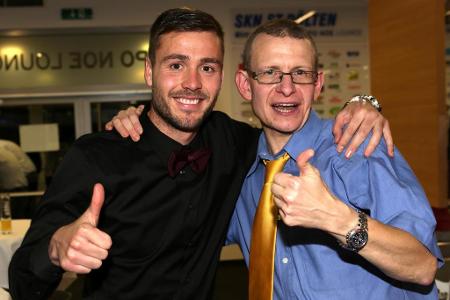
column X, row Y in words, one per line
column 315, row 76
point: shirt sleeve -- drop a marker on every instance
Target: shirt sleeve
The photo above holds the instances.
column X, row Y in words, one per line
column 388, row 189
column 232, row 230
column 31, row 273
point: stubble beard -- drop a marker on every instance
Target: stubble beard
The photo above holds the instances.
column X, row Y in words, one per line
column 187, row 124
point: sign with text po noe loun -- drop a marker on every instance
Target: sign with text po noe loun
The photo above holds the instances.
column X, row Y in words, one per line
column 62, row 60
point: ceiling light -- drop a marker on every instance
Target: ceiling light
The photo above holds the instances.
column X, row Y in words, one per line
column 306, row 16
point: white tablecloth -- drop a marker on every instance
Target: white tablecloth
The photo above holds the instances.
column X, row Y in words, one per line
column 4, row 295
column 8, row 245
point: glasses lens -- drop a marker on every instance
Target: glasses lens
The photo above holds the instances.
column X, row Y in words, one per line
column 304, row 77
column 269, row 77
column 275, row 76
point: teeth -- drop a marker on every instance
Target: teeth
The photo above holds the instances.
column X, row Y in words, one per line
column 284, row 107
column 188, row 101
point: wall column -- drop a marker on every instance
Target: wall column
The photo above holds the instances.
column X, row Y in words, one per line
column 407, row 48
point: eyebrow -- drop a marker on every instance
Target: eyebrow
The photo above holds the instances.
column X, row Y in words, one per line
column 211, row 61
column 185, row 58
column 306, row 68
column 175, row 56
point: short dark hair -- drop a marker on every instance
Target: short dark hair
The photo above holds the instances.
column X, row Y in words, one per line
column 182, row 20
column 278, row 28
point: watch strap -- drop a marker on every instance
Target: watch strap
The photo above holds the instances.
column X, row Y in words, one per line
column 360, row 232
column 365, row 99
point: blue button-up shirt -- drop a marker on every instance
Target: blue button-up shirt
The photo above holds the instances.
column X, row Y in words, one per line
column 309, row 263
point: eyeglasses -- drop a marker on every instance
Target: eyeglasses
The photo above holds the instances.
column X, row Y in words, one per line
column 271, row 76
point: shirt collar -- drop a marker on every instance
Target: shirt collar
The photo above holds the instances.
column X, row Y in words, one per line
column 300, row 141
column 153, row 139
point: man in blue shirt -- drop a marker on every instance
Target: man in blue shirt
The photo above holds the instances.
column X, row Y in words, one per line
column 358, row 228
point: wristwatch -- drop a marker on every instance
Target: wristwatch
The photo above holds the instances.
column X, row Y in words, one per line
column 357, row 237
column 365, row 98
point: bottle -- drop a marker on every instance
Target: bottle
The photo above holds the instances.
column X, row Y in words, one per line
column 5, row 219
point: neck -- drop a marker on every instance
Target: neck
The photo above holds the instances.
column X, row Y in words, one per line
column 276, row 140
column 180, row 136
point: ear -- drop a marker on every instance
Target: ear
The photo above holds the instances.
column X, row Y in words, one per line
column 242, row 81
column 318, row 85
column 148, row 72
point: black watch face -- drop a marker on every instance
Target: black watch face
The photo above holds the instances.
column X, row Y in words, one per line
column 359, row 239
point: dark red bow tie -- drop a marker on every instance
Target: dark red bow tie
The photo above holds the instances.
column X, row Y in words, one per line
column 198, row 159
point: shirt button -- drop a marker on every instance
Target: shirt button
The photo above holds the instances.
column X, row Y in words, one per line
column 285, row 260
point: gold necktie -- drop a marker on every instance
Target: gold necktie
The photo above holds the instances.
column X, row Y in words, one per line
column 262, row 249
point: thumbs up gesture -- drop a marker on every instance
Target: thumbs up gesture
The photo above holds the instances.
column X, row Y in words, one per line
column 80, row 246
column 305, row 200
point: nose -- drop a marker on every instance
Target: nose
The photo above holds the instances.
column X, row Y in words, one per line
column 286, row 86
column 192, row 80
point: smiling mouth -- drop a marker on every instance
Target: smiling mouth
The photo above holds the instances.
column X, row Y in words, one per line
column 189, row 97
column 188, row 101
column 285, row 107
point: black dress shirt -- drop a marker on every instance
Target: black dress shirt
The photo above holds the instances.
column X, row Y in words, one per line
column 167, row 233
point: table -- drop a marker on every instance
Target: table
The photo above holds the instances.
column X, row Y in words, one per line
column 8, row 245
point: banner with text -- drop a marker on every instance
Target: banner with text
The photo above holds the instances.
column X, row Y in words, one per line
column 72, row 60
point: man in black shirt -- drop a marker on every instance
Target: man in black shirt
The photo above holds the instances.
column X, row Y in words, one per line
column 154, row 227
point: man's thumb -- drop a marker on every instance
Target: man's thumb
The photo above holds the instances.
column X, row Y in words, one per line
column 140, row 109
column 303, row 160
column 98, row 197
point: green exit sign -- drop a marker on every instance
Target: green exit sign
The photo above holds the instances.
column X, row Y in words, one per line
column 76, row 13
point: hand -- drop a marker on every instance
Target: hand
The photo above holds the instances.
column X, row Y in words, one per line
column 126, row 122
column 361, row 119
column 305, row 200
column 80, row 246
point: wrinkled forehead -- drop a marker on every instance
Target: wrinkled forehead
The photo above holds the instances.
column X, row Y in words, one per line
column 274, row 51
